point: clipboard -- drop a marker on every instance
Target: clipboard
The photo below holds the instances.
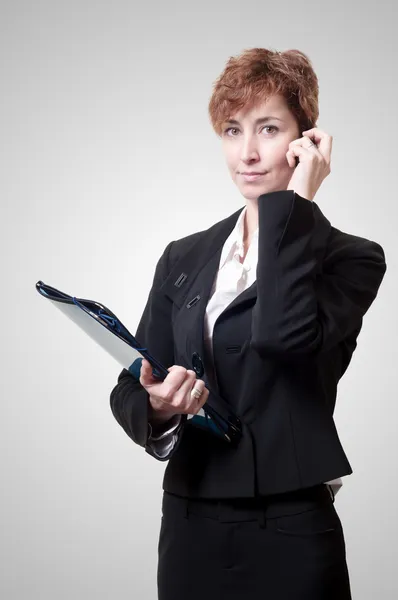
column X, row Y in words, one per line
column 104, row 327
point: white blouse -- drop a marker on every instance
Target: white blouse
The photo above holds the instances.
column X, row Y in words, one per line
column 233, row 277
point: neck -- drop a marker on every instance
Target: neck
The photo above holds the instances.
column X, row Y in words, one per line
column 250, row 221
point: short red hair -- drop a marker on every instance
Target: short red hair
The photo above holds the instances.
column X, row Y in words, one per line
column 258, row 73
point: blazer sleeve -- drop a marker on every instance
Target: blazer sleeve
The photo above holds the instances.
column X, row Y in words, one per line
column 129, row 400
column 300, row 309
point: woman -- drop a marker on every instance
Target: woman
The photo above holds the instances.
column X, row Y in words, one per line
column 264, row 308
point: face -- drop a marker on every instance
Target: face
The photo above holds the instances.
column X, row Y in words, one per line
column 260, row 147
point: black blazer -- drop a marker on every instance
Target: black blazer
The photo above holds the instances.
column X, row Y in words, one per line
column 280, row 348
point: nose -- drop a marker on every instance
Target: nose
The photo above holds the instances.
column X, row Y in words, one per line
column 249, row 149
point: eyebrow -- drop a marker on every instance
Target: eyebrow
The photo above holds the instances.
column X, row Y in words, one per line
column 256, row 122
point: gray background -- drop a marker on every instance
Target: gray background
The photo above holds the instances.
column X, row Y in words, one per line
column 107, row 154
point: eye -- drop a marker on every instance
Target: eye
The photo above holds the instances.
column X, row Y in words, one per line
column 229, row 129
column 271, row 127
column 265, row 127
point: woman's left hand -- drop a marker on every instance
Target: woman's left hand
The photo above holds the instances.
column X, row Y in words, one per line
column 314, row 163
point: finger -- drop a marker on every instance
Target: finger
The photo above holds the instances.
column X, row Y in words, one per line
column 177, row 375
column 197, row 403
column 308, row 142
column 148, row 379
column 171, row 391
column 178, row 394
column 323, row 140
column 319, row 137
column 202, row 400
column 290, row 159
column 146, row 374
column 198, row 384
column 298, row 142
column 146, row 367
column 175, row 386
column 315, row 133
column 182, row 395
column 305, row 141
column 305, row 153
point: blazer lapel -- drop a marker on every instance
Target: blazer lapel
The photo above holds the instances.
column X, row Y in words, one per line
column 183, row 274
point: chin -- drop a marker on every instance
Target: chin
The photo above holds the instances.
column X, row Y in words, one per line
column 252, row 192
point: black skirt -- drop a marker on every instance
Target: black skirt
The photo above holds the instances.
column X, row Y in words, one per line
column 283, row 547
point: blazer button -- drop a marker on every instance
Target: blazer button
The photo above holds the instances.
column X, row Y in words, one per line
column 197, row 364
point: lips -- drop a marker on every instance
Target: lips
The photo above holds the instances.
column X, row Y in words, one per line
column 252, row 177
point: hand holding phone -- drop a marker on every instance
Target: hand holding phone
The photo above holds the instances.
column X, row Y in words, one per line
column 313, row 153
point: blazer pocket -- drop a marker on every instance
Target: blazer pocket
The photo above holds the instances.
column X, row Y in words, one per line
column 316, row 521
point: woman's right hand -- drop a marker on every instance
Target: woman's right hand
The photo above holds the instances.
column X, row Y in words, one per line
column 173, row 395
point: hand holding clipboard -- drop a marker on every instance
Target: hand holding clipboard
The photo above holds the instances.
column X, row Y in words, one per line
column 182, row 394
